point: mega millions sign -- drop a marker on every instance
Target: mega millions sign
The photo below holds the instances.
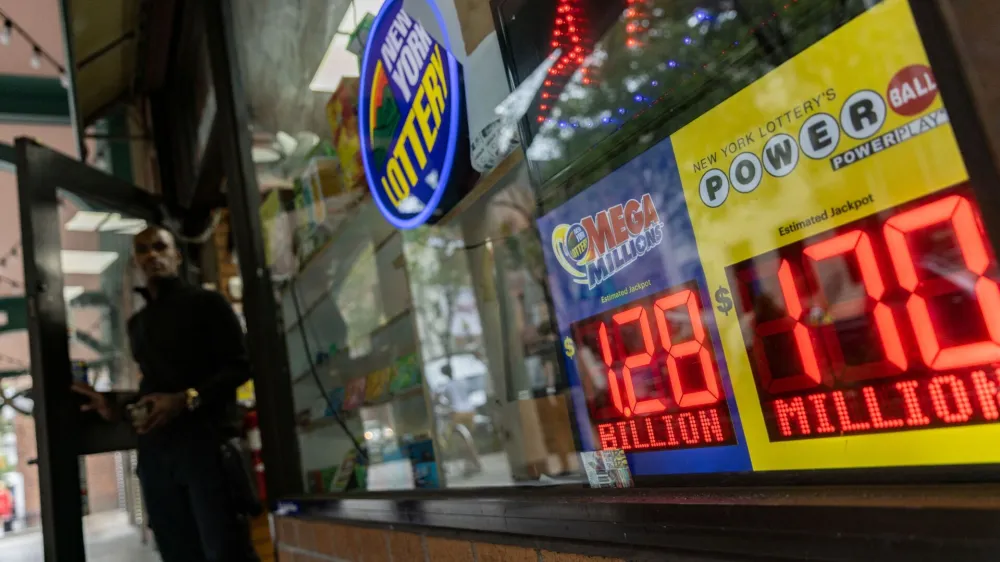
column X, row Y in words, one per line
column 411, row 116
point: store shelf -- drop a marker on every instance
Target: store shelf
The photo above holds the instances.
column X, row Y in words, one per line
column 405, row 393
column 384, row 349
column 329, row 421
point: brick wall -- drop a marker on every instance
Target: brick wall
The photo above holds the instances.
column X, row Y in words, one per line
column 308, row 541
column 24, row 430
column 102, row 482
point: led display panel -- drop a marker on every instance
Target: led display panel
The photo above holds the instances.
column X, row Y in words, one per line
column 854, row 288
column 885, row 324
column 799, row 278
column 640, row 341
column 663, row 389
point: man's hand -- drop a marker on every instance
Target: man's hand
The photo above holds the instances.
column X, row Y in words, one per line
column 96, row 402
column 163, row 408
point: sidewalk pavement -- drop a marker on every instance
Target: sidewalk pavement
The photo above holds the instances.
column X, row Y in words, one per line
column 108, row 536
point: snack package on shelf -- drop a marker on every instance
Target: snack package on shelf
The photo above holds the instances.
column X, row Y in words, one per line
column 342, row 474
column 405, row 374
column 355, row 394
column 377, row 386
column 336, row 402
column 314, row 482
column 421, row 455
column 342, row 114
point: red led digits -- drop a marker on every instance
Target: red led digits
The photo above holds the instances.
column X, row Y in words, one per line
column 696, row 346
column 631, row 405
column 860, row 245
column 616, row 395
column 808, row 362
column 958, row 212
column 956, row 410
column 909, row 344
column 637, row 314
column 988, row 393
column 663, row 386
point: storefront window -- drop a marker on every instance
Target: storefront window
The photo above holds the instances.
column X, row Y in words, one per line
column 421, row 358
column 738, row 237
column 443, row 370
column 764, row 251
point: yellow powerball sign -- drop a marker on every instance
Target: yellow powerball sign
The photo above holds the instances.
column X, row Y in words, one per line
column 856, row 293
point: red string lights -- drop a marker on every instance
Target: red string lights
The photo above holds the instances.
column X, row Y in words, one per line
column 636, row 23
column 567, row 37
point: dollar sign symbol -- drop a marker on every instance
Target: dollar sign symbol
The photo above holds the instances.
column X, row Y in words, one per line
column 725, row 303
column 570, row 347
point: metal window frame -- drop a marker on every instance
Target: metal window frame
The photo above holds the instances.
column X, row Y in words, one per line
column 676, row 520
column 268, row 354
column 61, row 432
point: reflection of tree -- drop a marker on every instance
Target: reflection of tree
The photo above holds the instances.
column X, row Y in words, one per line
column 522, row 242
column 439, row 274
column 357, row 295
column 521, row 259
column 692, row 56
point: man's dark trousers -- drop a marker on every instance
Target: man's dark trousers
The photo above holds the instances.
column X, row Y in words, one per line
column 189, row 503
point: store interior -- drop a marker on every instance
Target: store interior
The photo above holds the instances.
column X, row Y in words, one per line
column 428, row 351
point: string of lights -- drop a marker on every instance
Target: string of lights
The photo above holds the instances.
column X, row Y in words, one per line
column 38, row 54
column 637, row 18
column 637, row 15
column 7, row 359
column 567, row 38
column 11, row 252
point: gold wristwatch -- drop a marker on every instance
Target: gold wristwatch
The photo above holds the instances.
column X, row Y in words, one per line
column 193, row 399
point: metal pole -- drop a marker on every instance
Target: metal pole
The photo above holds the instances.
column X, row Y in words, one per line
column 66, row 19
column 55, row 412
column 272, row 379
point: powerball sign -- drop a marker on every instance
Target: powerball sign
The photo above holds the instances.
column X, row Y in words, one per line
column 409, row 115
column 839, row 172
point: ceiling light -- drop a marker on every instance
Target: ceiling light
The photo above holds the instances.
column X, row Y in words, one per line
column 338, row 63
column 36, row 58
column 93, row 221
column 5, row 32
column 71, row 292
column 122, row 225
column 264, row 155
column 86, row 262
column 86, row 221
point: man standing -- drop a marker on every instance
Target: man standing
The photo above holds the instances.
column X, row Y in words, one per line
column 190, row 348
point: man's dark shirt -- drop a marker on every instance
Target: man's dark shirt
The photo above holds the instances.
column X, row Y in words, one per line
column 188, row 337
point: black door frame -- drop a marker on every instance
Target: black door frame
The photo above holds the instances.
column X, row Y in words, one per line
column 265, row 334
column 62, row 432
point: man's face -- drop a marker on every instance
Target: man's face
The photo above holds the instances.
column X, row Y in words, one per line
column 157, row 253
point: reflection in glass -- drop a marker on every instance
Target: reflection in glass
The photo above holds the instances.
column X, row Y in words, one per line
column 451, row 344
column 621, row 64
column 99, row 282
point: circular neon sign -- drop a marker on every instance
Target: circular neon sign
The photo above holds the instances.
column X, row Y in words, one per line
column 410, row 116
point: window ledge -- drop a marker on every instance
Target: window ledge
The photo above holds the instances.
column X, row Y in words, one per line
column 948, row 522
